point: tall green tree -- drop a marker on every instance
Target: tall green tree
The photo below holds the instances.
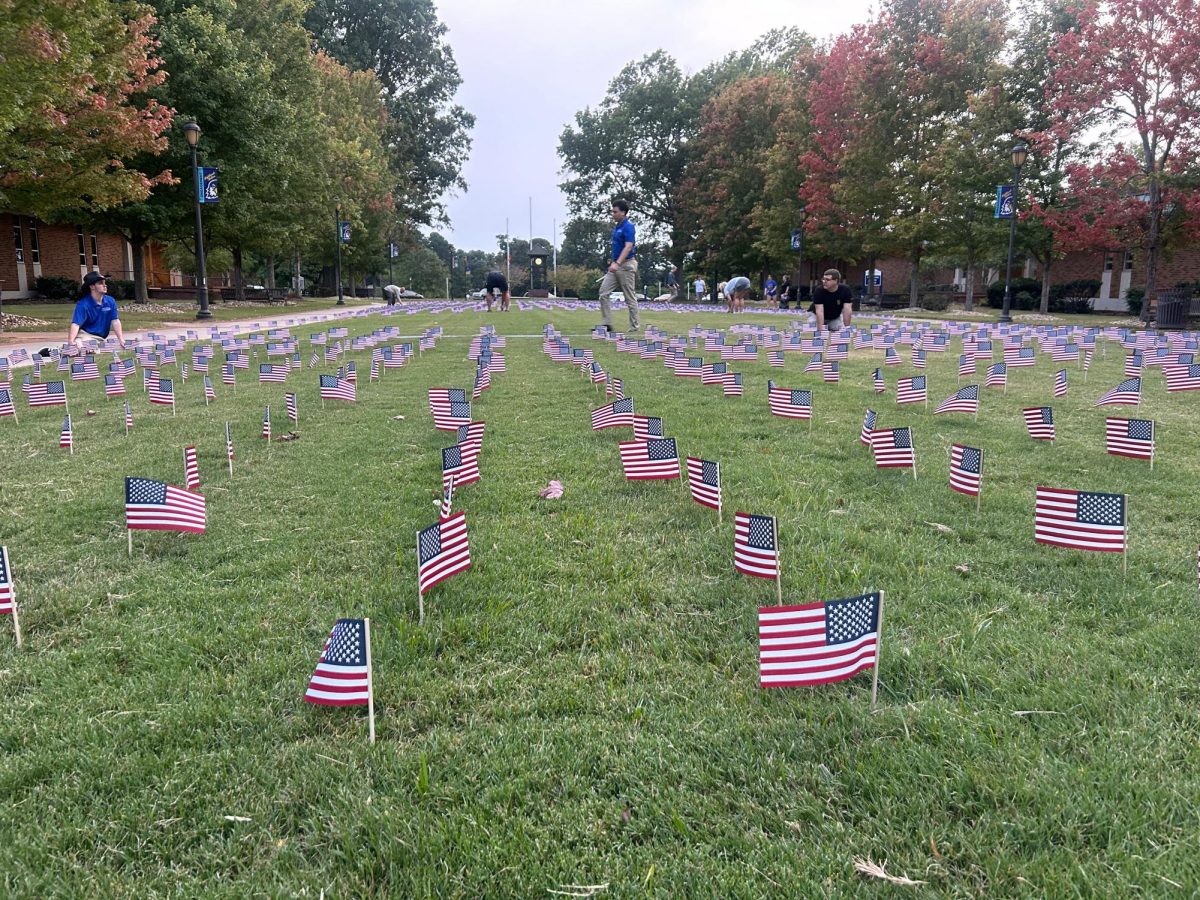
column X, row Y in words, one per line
column 426, row 133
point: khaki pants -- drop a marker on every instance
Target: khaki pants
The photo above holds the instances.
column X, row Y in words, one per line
column 625, row 280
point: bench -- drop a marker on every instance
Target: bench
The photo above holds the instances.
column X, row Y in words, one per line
column 256, row 295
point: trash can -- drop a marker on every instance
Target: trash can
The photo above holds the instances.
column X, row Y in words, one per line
column 1171, row 311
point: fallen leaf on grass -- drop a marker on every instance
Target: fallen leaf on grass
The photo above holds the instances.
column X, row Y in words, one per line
column 876, row 870
column 962, row 567
column 944, row 529
column 237, row 819
column 397, row 418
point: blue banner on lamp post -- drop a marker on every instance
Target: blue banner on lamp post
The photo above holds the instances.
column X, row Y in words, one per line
column 344, row 232
column 1004, row 201
column 206, row 184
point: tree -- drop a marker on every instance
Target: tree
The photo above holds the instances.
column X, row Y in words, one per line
column 1138, row 63
column 427, row 136
column 75, row 105
column 585, row 243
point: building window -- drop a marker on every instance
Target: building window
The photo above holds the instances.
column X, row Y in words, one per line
column 17, row 245
column 95, row 254
column 82, row 251
column 1128, row 264
column 34, row 254
column 1108, row 262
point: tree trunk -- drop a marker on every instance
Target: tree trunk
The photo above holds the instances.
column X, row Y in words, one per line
column 269, row 275
column 296, row 286
column 871, row 276
column 969, row 293
column 239, row 284
column 1046, row 268
column 1152, row 242
column 137, row 246
column 914, row 278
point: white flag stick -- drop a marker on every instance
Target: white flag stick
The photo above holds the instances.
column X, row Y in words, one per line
column 878, row 653
column 371, row 681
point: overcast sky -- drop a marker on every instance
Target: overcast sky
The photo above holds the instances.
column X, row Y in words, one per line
column 528, row 67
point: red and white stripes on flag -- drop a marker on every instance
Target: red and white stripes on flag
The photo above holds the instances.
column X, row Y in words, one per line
column 869, row 421
column 818, row 643
column 1129, row 437
column 228, row 444
column 442, row 551
column 292, row 412
column 266, row 428
column 755, row 545
column 8, row 593
column 343, row 673
column 157, row 506
column 1039, row 422
column 704, row 482
column 893, row 448
column 191, row 469
column 1083, row 520
column 966, row 469
column 650, row 460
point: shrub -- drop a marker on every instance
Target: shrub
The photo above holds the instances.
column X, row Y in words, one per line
column 120, row 288
column 57, row 287
column 995, row 291
column 1072, row 305
column 935, row 302
column 1080, row 287
column 1133, row 301
column 1024, row 299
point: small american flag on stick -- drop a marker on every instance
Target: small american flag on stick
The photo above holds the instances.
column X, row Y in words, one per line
column 755, row 545
column 8, row 593
column 966, row 469
column 819, row 643
column 343, row 673
column 704, row 481
column 442, row 551
column 1039, row 422
column 650, row 460
column 191, row 469
column 1082, row 520
column 157, row 506
column 1130, row 437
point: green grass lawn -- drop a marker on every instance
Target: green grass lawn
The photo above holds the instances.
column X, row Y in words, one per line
column 582, row 706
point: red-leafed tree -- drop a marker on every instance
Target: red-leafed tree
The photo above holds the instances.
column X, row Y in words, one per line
column 75, row 105
column 1133, row 68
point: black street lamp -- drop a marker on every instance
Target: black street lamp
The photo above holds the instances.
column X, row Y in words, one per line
column 1019, row 154
column 337, row 271
column 192, row 132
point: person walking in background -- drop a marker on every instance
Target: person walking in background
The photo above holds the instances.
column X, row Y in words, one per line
column 96, row 312
column 622, row 271
column 673, row 282
column 832, row 302
column 770, row 288
column 699, row 285
column 785, row 292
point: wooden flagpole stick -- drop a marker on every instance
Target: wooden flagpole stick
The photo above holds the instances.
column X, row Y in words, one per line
column 720, row 499
column 420, row 594
column 370, row 681
column 1125, row 537
column 979, row 493
column 129, row 531
column 913, row 446
column 1152, row 446
column 878, row 653
column 778, row 562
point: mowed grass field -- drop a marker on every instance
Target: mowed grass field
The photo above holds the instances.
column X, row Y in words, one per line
column 581, row 707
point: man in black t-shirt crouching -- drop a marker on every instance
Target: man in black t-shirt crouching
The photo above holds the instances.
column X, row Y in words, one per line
column 832, row 302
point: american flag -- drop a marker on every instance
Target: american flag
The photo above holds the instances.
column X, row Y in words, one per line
column 447, row 504
column 877, row 379
column 817, row 643
column 343, row 673
column 1129, row 437
column 997, row 375
column 114, row 385
column 1039, row 422
column 704, row 481
column 162, row 391
column 965, row 399
column 269, row 372
column 918, row 359
column 483, row 381
column 869, row 422
column 893, row 448
column 66, row 437
column 266, row 428
column 651, row 459
column 292, row 413
column 6, row 403
column 209, row 393
column 460, row 464
column 912, row 390
column 1019, row 357
column 191, row 469
column 128, row 417
column 1127, row 393
column 1060, row 383
column 1087, row 358
column 1065, row 353
column 617, row 414
column 966, row 365
column 349, row 372
column 1080, row 519
column 815, row 363
column 8, row 594
column 48, row 393
column 333, row 351
column 442, row 551
column 755, row 551
column 228, row 374
column 790, row 404
column 449, row 407
column 228, row 443
column 471, row 434
column 646, row 427
column 733, row 384
column 714, row 373
column 615, row 388
column 775, row 359
column 149, row 376
column 1182, row 378
column 334, row 388
column 838, row 352
column 1133, row 364
column 315, row 358
column 966, row 469
column 831, row 371
column 891, row 357
column 157, row 506
column 84, row 371
column 183, row 372
column 199, row 361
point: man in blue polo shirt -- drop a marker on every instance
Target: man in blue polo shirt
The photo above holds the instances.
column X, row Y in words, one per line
column 622, row 272
column 96, row 313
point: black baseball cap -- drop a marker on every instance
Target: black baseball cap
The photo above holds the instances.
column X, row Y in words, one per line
column 92, row 278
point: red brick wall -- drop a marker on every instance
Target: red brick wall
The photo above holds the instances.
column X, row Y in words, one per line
column 58, row 252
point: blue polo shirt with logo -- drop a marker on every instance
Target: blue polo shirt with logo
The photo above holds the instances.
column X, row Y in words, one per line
column 623, row 234
column 95, row 318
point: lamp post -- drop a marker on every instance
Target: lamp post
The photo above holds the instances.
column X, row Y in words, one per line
column 1019, row 154
column 191, row 131
column 337, row 233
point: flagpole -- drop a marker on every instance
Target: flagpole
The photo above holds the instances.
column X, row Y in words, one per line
column 979, row 493
column 371, row 680
column 129, row 531
column 778, row 562
column 1152, row 445
column 913, row 447
column 1125, row 537
column 420, row 594
column 13, row 594
column 878, row 653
